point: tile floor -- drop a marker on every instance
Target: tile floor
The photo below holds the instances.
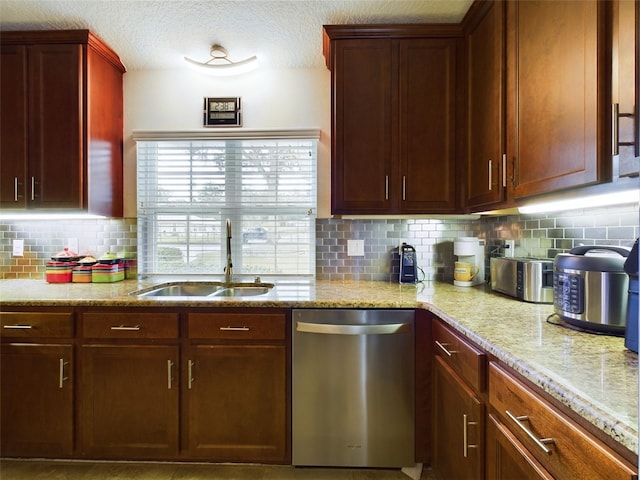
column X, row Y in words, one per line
column 11, row 469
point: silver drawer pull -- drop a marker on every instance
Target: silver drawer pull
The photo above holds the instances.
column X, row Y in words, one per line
column 540, row 442
column 126, row 329
column 61, row 377
column 234, row 329
column 445, row 349
column 18, row 327
column 465, row 435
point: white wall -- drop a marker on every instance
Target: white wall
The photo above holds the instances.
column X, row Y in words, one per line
column 271, row 98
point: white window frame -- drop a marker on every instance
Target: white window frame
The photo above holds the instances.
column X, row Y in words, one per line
column 290, row 220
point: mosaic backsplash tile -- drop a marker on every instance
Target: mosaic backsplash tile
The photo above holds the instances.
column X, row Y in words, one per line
column 540, row 235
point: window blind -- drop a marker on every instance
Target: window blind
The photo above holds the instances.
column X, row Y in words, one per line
column 188, row 188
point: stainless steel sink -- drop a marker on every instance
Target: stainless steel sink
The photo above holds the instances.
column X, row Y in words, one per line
column 242, row 291
column 186, row 290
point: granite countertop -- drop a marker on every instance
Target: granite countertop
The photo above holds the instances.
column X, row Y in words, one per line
column 593, row 375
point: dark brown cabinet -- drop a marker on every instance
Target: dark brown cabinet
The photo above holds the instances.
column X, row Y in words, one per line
column 61, row 116
column 508, row 458
column 558, row 115
column 486, row 178
column 458, row 408
column 37, row 384
column 236, row 390
column 529, row 436
column 626, row 135
column 129, row 401
column 394, row 111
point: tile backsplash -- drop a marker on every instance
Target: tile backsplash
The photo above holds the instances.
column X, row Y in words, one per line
column 540, row 235
column 44, row 238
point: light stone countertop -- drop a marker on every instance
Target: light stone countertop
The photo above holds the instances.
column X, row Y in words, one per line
column 593, row 375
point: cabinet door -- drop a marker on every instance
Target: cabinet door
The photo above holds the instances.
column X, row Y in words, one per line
column 625, row 84
column 236, row 402
column 486, row 159
column 56, row 103
column 427, row 124
column 556, row 116
column 13, row 118
column 507, row 458
column 458, row 444
column 129, row 406
column 36, row 390
column 362, row 137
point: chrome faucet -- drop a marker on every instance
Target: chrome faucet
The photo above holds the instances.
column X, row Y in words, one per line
column 228, row 269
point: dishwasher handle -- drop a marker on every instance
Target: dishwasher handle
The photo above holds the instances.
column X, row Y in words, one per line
column 333, row 329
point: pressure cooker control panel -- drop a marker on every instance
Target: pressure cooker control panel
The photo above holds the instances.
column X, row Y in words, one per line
column 568, row 292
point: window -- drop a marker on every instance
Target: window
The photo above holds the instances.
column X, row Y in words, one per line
column 188, row 188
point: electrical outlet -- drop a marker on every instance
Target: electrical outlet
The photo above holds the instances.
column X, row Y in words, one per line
column 355, row 248
column 509, row 247
column 18, row 247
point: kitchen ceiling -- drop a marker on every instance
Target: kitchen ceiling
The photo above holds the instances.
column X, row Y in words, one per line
column 153, row 34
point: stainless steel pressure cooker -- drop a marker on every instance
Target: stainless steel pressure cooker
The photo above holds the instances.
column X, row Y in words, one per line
column 590, row 288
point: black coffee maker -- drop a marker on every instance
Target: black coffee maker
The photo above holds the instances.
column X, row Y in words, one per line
column 408, row 265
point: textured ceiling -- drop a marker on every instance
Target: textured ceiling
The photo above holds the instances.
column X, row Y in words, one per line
column 152, row 34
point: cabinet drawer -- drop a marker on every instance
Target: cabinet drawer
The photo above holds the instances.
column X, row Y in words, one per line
column 558, row 443
column 129, row 325
column 36, row 324
column 464, row 358
column 237, row 326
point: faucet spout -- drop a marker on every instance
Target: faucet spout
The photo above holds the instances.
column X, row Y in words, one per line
column 228, row 269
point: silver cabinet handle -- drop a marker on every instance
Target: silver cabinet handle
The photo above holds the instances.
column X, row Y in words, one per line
column 465, row 435
column 333, row 329
column 15, row 189
column 490, row 175
column 61, row 377
column 404, row 187
column 443, row 347
column 615, row 134
column 191, row 363
column 540, row 442
column 169, row 370
column 18, row 327
column 234, row 329
column 504, row 170
column 125, row 328
column 386, row 187
column 33, row 188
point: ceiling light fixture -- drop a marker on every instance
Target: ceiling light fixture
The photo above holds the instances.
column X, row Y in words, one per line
column 221, row 65
column 618, row 198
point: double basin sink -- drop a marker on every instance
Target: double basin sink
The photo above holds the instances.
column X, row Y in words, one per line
column 212, row 290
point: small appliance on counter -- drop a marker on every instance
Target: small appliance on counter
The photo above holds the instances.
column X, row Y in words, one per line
column 631, row 268
column 408, row 265
column 590, row 288
column 469, row 269
column 528, row 279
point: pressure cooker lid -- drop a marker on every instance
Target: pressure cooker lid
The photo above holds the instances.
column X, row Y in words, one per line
column 594, row 258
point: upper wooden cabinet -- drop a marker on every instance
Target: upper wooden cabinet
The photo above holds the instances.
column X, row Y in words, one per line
column 62, row 119
column 624, row 87
column 558, row 115
column 486, row 155
column 393, row 118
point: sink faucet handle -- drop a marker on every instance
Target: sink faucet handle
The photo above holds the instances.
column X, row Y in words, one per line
column 257, row 280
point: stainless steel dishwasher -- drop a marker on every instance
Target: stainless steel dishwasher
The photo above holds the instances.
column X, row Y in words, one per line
column 353, row 388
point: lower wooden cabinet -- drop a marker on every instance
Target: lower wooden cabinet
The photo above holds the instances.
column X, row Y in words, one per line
column 36, row 387
column 507, row 458
column 458, row 406
column 236, row 403
column 237, row 391
column 37, row 384
column 458, row 448
column 547, row 440
column 129, row 401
